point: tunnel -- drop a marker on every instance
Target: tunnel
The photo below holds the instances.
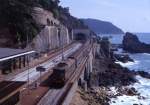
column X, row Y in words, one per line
column 80, row 36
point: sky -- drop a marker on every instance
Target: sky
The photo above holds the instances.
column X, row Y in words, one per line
column 129, row 15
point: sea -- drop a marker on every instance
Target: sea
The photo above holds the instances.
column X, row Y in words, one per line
column 142, row 60
column 141, row 63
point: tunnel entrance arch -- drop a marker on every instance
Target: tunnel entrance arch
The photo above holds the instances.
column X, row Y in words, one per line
column 80, row 36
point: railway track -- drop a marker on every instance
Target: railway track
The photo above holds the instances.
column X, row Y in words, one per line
column 75, row 76
column 48, row 65
column 57, row 96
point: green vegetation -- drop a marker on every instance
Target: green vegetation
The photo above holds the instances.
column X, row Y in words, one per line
column 61, row 13
column 16, row 15
column 51, row 5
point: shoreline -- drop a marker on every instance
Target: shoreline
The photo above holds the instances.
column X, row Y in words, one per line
column 113, row 83
column 139, row 96
column 137, row 64
column 129, row 92
column 141, row 87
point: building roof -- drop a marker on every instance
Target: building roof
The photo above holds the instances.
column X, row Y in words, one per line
column 8, row 53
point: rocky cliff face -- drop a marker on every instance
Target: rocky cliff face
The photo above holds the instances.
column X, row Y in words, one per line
column 44, row 17
column 105, row 71
column 101, row 61
column 132, row 44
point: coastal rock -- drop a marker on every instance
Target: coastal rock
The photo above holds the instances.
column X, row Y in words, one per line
column 143, row 74
column 94, row 96
column 123, row 58
column 116, row 75
column 105, row 47
column 132, row 44
column 131, row 92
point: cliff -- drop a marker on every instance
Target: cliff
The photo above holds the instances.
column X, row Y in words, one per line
column 132, row 44
column 19, row 22
column 102, row 27
column 105, row 75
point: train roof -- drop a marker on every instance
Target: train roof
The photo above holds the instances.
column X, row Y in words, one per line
column 64, row 64
column 61, row 65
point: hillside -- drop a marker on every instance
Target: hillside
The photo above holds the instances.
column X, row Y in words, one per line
column 102, row 27
column 18, row 25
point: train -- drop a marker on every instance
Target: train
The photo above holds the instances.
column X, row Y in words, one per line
column 63, row 71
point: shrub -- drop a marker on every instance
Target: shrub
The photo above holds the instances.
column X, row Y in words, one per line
column 16, row 15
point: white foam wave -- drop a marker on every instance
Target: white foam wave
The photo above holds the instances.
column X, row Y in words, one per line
column 143, row 87
column 146, row 54
column 128, row 64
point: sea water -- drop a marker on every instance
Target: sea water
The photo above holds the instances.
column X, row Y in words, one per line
column 117, row 38
column 141, row 62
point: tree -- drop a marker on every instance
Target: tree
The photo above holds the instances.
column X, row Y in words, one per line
column 16, row 15
column 66, row 10
column 51, row 5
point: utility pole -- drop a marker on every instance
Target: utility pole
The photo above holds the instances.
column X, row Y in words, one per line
column 28, row 78
column 62, row 49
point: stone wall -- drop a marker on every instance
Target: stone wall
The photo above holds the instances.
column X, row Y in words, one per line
column 64, row 35
column 49, row 39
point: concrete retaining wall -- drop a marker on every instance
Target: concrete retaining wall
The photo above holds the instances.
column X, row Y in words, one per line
column 70, row 95
column 49, row 39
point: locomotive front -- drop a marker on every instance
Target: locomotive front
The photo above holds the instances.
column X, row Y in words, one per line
column 59, row 73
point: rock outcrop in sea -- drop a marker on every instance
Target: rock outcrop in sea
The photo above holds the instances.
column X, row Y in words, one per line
column 132, row 44
column 106, row 72
column 124, row 58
